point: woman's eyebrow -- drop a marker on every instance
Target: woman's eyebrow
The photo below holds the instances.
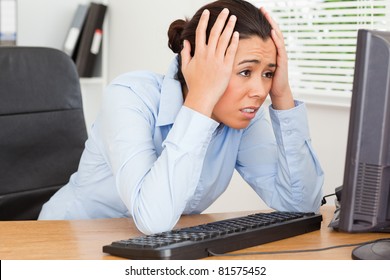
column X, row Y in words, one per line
column 256, row 61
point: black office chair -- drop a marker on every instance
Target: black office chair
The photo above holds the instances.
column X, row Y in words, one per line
column 42, row 128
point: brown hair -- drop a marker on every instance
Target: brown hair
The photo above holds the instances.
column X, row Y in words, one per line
column 250, row 22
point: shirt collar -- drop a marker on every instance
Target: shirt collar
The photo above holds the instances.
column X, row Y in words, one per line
column 171, row 99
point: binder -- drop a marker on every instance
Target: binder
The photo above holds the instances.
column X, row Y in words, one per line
column 75, row 30
column 90, row 40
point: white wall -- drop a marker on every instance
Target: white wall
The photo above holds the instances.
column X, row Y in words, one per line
column 138, row 33
column 138, row 40
column 329, row 131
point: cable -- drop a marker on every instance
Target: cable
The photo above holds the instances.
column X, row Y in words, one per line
column 323, row 201
column 296, row 251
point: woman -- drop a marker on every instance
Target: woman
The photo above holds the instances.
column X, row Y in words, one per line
column 163, row 146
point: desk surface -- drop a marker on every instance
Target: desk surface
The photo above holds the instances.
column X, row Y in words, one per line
column 83, row 239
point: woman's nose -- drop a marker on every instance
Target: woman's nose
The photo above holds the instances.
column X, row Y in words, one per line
column 257, row 90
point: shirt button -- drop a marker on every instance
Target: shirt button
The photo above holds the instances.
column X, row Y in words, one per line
column 288, row 132
column 286, row 121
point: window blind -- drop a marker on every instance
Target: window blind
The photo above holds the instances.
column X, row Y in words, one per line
column 320, row 37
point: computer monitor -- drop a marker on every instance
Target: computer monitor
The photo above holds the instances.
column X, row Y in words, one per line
column 365, row 195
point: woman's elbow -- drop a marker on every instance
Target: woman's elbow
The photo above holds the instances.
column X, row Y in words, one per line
column 148, row 224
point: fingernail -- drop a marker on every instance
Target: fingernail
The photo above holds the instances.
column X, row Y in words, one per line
column 205, row 12
column 225, row 11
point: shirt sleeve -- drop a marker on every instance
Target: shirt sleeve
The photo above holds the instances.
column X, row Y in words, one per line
column 282, row 166
column 155, row 188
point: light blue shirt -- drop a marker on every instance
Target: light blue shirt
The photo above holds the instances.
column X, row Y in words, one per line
column 151, row 158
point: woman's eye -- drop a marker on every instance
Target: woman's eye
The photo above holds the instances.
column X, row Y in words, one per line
column 268, row 75
column 245, row 73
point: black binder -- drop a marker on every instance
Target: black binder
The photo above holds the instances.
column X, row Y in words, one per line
column 90, row 40
column 72, row 41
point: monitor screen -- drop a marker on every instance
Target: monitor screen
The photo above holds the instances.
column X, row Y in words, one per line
column 365, row 195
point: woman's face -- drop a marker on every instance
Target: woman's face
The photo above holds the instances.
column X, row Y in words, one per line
column 251, row 80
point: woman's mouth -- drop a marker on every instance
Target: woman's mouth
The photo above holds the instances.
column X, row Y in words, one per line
column 249, row 112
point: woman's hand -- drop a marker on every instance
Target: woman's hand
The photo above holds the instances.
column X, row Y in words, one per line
column 207, row 73
column 280, row 93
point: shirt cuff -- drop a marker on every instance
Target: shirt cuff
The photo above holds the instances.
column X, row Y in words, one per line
column 290, row 125
column 191, row 131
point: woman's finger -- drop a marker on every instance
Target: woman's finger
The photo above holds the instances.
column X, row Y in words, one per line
column 276, row 33
column 185, row 54
column 226, row 37
column 267, row 15
column 200, row 33
column 217, row 28
column 232, row 49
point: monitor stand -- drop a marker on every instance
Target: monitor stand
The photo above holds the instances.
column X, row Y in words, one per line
column 375, row 250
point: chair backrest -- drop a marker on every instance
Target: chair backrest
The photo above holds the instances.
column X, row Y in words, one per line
column 42, row 128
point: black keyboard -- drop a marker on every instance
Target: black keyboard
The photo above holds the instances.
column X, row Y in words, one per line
column 217, row 237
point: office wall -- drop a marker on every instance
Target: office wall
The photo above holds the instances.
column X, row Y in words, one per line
column 138, row 40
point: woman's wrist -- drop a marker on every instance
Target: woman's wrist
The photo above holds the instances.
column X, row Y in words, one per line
column 199, row 104
column 284, row 102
